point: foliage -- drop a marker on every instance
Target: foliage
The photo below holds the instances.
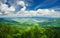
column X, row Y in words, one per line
column 35, row 31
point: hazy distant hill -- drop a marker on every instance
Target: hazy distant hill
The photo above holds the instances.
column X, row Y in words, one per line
column 55, row 23
column 8, row 21
column 31, row 21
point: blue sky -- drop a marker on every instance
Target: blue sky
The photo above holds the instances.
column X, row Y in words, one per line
column 43, row 4
column 30, row 8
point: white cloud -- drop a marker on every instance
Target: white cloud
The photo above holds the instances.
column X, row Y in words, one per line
column 9, row 11
column 21, row 3
column 5, row 9
column 43, row 11
column 23, row 9
column 11, row 8
column 0, row 13
column 39, row 12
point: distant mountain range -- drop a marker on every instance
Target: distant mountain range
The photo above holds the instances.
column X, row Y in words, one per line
column 31, row 21
column 8, row 21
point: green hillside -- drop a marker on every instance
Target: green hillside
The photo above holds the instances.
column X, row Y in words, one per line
column 27, row 28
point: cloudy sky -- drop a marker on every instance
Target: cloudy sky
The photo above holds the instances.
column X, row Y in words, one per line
column 30, row 8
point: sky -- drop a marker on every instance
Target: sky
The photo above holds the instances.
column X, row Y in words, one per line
column 30, row 8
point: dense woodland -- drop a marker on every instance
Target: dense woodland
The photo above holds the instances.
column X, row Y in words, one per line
column 35, row 31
